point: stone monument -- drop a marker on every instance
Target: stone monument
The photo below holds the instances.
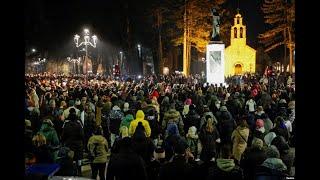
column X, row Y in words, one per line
column 215, row 53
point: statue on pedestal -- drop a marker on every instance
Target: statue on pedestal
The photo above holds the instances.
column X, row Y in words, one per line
column 215, row 26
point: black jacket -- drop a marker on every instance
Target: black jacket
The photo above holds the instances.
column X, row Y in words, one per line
column 177, row 169
column 209, row 145
column 73, row 137
column 252, row 158
column 126, row 165
column 192, row 119
column 226, row 125
column 217, row 174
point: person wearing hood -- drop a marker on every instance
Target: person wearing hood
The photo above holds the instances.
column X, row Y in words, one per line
column 98, row 148
column 126, row 120
column 192, row 119
column 207, row 113
column 209, row 137
column 226, row 125
column 286, row 155
column 172, row 115
column 252, row 158
column 172, row 137
column 139, row 118
column 193, row 141
column 126, row 159
column 142, row 145
column 73, row 137
column 273, row 165
column 115, row 118
column 225, row 167
column 178, row 167
column 47, row 129
column 239, row 139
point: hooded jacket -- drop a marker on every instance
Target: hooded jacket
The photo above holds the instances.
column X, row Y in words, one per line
column 98, row 147
column 134, row 124
column 225, row 169
column 50, row 133
column 173, row 115
column 127, row 120
column 115, row 118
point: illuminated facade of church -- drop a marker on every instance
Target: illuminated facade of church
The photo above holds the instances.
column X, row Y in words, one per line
column 239, row 57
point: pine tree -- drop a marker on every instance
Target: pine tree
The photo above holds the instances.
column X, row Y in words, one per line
column 280, row 16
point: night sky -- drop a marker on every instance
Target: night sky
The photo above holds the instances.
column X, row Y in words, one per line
column 50, row 25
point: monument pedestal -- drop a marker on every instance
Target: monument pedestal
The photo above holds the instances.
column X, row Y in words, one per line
column 215, row 62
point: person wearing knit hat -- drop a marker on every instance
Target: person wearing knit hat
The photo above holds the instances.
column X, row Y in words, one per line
column 252, row 158
column 273, row 160
column 188, row 101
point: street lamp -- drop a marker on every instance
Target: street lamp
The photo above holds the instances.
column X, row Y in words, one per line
column 86, row 42
column 139, row 49
column 33, row 50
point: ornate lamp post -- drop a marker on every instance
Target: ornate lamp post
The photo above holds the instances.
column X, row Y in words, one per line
column 87, row 42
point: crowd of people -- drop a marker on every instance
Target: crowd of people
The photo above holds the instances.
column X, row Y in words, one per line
column 161, row 127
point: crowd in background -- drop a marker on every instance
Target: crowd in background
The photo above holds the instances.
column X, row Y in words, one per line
column 161, row 127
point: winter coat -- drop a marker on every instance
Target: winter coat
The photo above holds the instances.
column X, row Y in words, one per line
column 281, row 132
column 225, row 169
column 98, row 148
column 134, row 124
column 173, row 115
column 204, row 121
column 43, row 155
column 143, row 146
column 209, row 144
column 275, row 164
column 50, row 133
column 225, row 126
column 170, row 144
column 268, row 125
column 192, row 141
column 126, row 120
column 115, row 118
column 73, row 137
column 192, row 119
column 239, row 138
column 252, row 158
column 177, row 169
column 129, row 161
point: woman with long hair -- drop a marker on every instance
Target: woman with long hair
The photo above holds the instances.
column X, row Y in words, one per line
column 209, row 137
column 240, row 138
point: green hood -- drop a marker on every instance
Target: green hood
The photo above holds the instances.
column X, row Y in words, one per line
column 274, row 163
column 225, row 164
column 45, row 127
column 128, row 118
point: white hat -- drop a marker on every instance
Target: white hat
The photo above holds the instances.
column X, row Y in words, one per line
column 126, row 107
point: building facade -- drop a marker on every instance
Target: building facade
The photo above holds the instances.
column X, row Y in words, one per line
column 239, row 57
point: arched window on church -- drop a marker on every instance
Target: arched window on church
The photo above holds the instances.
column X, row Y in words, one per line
column 238, row 20
column 241, row 32
column 235, row 32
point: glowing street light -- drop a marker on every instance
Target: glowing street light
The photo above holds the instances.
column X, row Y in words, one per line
column 86, row 42
column 33, row 50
